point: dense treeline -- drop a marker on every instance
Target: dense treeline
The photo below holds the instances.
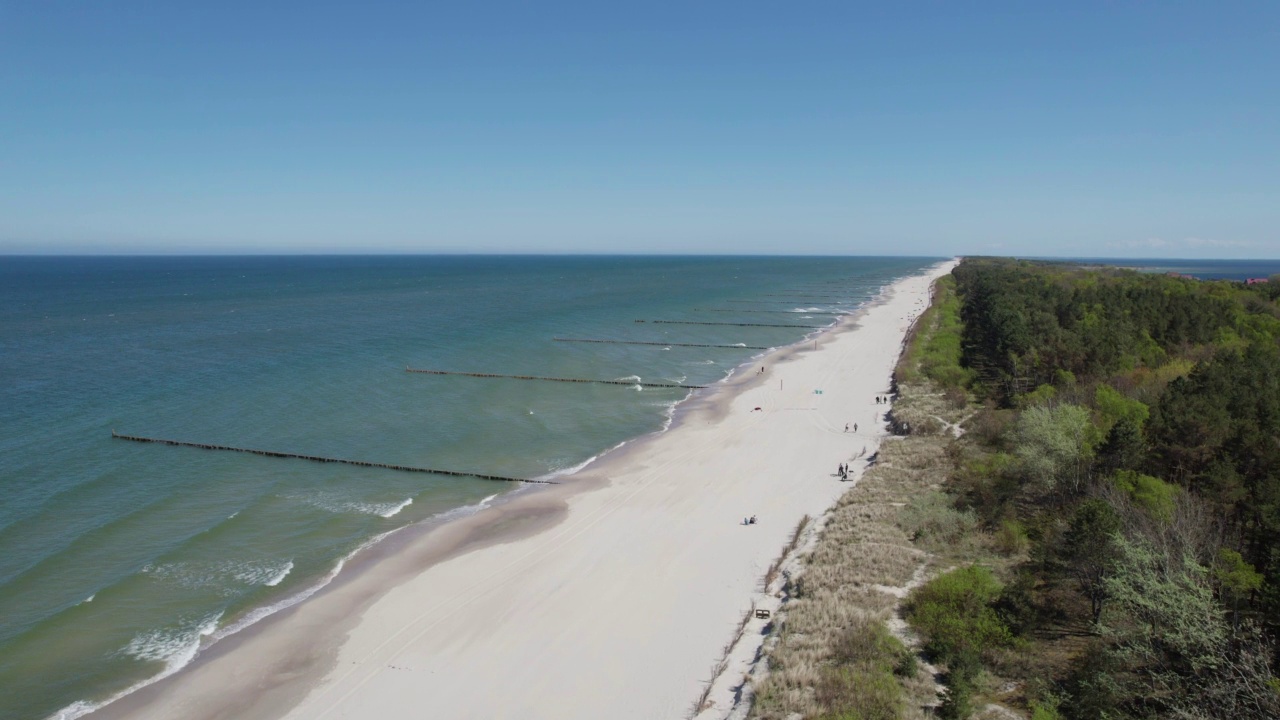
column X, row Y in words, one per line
column 1125, row 464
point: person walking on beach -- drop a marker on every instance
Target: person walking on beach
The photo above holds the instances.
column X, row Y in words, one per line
column 855, row 427
column 846, row 427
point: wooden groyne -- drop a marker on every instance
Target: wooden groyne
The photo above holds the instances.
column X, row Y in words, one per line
column 317, row 458
column 782, row 302
column 803, row 295
column 628, row 383
column 842, row 300
column 777, row 312
column 698, row 322
column 663, row 344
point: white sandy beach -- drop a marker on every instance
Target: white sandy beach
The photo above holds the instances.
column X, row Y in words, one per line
column 610, row 596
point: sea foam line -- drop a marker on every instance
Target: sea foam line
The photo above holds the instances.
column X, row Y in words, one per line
column 278, row 577
column 175, row 652
column 208, row 632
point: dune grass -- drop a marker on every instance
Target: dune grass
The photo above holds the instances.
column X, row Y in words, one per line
column 837, row 650
column 850, row 585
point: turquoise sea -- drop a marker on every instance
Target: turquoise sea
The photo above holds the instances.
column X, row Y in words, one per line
column 120, row 561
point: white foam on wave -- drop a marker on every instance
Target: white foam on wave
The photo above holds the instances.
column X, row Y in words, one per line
column 176, row 648
column 258, row 614
column 221, row 574
column 89, row 599
column 465, row 510
column 572, row 469
column 278, row 577
column 668, row 414
column 339, row 505
column 181, row 654
column 629, row 378
column 387, row 510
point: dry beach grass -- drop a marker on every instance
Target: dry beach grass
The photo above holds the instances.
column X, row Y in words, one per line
column 885, row 535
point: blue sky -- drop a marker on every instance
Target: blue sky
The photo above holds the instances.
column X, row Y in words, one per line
column 1122, row 129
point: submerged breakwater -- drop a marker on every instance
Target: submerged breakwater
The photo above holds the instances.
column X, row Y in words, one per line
column 119, row 563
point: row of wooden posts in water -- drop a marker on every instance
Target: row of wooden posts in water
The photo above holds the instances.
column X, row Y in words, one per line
column 664, row 344
column 699, row 322
column 320, row 458
column 490, row 476
column 630, row 383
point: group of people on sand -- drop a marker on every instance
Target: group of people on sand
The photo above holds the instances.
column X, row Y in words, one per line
column 749, row 521
column 882, row 399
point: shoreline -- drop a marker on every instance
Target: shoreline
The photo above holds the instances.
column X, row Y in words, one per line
column 301, row 652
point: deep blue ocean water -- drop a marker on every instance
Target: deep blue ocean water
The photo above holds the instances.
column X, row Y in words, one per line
column 120, row 560
column 1202, row 269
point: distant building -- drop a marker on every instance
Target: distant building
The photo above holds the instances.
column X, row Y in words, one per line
column 1255, row 281
column 1184, row 276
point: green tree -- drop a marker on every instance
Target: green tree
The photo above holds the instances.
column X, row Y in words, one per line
column 1152, row 494
column 1124, row 448
column 1089, row 550
column 1236, row 580
column 1113, row 407
column 1167, row 625
column 1055, row 445
column 1173, row 640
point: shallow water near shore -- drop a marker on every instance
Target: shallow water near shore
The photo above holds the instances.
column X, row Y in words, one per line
column 119, row 560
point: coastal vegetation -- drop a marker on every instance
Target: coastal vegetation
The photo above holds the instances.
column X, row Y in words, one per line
column 840, row 650
column 1081, row 522
column 1127, row 448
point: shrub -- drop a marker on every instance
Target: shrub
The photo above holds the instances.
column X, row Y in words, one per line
column 1045, row 710
column 862, row 684
column 1017, row 605
column 1011, row 538
column 931, row 520
column 1152, row 494
column 989, row 425
column 954, row 612
column 867, row 641
column 957, row 704
column 860, row 693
